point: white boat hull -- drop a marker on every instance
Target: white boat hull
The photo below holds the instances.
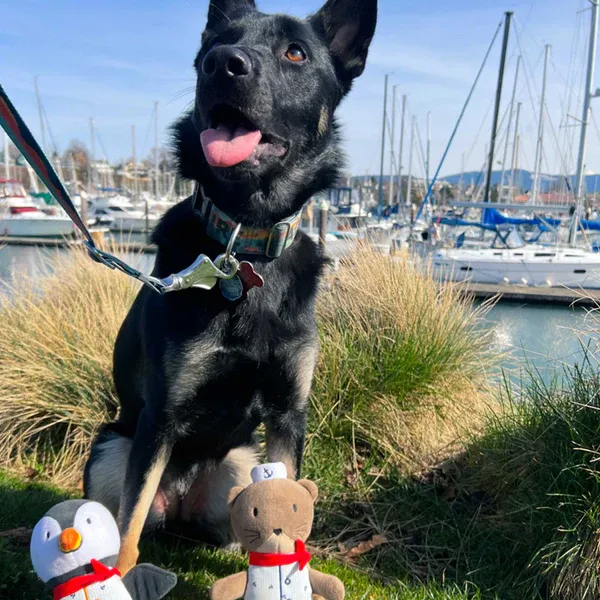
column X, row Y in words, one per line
column 534, row 268
column 43, row 227
column 134, row 224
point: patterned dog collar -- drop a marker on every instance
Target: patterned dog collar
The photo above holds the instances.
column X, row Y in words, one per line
column 266, row 242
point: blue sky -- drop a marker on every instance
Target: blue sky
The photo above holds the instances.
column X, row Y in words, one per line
column 112, row 60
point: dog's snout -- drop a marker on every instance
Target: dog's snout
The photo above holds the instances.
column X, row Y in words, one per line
column 227, row 60
column 277, row 531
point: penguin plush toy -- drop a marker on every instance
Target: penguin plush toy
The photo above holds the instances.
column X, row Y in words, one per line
column 74, row 550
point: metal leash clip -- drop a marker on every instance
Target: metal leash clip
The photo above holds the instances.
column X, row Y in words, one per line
column 204, row 273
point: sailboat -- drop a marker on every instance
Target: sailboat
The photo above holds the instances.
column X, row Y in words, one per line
column 524, row 264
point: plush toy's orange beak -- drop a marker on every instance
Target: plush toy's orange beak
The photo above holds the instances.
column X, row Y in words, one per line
column 69, row 540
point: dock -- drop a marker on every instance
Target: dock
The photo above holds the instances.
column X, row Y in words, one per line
column 44, row 242
column 533, row 295
column 63, row 242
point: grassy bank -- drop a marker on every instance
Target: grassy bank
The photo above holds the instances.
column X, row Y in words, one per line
column 429, row 490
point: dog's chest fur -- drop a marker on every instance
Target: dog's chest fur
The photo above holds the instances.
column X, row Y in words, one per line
column 223, row 362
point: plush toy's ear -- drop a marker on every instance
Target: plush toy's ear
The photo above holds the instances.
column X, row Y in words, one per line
column 310, row 487
column 234, row 494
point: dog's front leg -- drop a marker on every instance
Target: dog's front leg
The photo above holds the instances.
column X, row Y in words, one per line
column 147, row 462
column 288, row 397
column 285, row 434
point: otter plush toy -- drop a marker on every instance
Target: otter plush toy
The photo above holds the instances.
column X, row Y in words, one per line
column 272, row 518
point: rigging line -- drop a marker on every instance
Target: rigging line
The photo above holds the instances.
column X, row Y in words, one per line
column 570, row 133
column 595, row 123
column 420, row 153
column 145, row 146
column 568, row 93
column 52, row 138
column 458, row 122
column 97, row 134
column 527, row 79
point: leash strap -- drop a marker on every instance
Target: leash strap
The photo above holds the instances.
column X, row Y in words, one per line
column 21, row 136
column 202, row 274
column 19, row 133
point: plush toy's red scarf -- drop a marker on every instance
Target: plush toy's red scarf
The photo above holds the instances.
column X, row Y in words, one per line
column 101, row 573
column 302, row 556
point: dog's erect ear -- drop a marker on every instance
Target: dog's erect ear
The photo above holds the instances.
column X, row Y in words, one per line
column 348, row 26
column 222, row 12
column 234, row 494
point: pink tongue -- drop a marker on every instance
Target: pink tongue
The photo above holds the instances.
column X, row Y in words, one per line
column 224, row 149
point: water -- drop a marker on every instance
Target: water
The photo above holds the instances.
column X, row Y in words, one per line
column 526, row 335
column 541, row 338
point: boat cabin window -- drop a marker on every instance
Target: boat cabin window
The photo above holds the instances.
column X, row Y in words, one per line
column 545, row 254
column 116, row 209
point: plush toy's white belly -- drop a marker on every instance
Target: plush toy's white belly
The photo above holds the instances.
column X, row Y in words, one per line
column 278, row 583
column 111, row 589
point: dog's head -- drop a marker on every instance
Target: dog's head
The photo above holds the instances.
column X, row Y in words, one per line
column 267, row 90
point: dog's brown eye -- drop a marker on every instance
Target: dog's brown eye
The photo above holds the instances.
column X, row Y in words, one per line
column 295, row 508
column 255, row 511
column 295, row 54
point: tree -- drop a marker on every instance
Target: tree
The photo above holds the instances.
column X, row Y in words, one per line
column 78, row 154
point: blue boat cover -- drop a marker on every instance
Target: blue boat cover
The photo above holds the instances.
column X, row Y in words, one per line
column 493, row 217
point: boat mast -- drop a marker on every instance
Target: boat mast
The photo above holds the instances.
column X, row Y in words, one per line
column 508, row 131
column 410, row 160
column 392, row 142
column 41, row 113
column 401, row 150
column 461, row 181
column 135, row 181
column 539, row 153
column 385, row 95
column 428, row 149
column 579, row 193
column 92, row 158
column 488, row 182
column 515, row 157
column 156, row 158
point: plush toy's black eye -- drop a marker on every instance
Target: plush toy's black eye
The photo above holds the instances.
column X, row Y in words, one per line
column 47, row 535
column 295, row 508
column 255, row 511
column 88, row 521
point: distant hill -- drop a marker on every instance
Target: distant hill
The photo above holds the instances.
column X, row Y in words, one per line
column 524, row 180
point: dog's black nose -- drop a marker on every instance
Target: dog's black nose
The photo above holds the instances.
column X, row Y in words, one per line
column 277, row 531
column 228, row 60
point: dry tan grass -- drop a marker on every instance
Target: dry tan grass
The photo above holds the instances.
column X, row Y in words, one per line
column 56, row 349
column 404, row 360
column 402, row 364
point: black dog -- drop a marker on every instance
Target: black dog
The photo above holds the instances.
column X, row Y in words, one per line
column 197, row 373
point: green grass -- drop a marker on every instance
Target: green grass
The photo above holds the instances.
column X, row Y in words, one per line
column 197, row 567
column 467, row 499
column 515, row 515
